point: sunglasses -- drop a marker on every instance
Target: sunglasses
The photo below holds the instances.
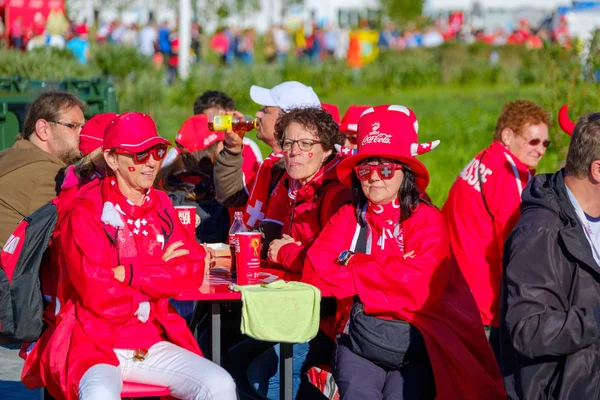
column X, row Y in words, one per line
column 384, row 171
column 536, row 142
column 158, row 152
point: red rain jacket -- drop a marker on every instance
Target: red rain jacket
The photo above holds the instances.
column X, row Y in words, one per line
column 309, row 209
column 89, row 325
column 425, row 289
column 477, row 238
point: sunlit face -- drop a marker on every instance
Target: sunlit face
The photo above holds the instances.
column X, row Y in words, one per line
column 137, row 177
column 302, row 164
column 380, row 191
column 529, row 146
column 265, row 127
column 64, row 140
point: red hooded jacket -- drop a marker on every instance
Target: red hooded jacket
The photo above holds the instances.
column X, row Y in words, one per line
column 308, row 210
column 412, row 278
column 99, row 314
column 476, row 237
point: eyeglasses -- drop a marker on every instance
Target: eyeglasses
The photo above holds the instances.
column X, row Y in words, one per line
column 158, row 152
column 384, row 171
column 304, row 144
column 76, row 127
column 536, row 142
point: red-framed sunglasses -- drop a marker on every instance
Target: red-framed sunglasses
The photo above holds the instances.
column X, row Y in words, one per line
column 384, row 171
column 158, row 152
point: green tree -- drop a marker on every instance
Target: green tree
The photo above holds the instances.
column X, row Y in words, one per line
column 402, row 10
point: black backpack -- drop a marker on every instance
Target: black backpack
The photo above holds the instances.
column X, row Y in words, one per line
column 21, row 300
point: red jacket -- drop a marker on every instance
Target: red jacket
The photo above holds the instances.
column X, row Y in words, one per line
column 100, row 310
column 423, row 287
column 476, row 238
column 309, row 209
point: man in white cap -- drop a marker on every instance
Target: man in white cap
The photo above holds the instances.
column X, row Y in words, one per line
column 231, row 190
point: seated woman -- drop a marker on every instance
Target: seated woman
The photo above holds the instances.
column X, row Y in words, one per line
column 189, row 179
column 305, row 198
column 125, row 255
column 410, row 329
column 309, row 192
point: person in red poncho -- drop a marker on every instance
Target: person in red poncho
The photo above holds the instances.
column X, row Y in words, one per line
column 483, row 203
column 387, row 258
column 127, row 254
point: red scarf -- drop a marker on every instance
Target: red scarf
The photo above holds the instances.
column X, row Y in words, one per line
column 112, row 193
column 385, row 233
column 290, row 192
column 256, row 206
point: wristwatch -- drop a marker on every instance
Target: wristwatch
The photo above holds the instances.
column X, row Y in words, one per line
column 344, row 257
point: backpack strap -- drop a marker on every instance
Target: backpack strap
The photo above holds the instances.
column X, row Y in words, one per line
column 481, row 187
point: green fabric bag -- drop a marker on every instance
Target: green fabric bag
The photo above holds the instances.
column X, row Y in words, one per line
column 280, row 311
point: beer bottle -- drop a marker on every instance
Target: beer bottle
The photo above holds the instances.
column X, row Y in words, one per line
column 228, row 122
column 236, row 227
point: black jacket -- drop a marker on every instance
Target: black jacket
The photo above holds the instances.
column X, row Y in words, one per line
column 550, row 301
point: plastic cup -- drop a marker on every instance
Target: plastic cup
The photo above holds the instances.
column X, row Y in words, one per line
column 247, row 251
column 187, row 217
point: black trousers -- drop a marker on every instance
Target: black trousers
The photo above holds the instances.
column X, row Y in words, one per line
column 358, row 378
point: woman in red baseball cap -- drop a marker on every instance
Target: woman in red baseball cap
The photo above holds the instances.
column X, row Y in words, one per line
column 409, row 327
column 126, row 255
column 189, row 178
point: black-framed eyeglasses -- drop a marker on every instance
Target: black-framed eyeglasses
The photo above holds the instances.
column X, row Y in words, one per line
column 76, row 127
column 304, row 144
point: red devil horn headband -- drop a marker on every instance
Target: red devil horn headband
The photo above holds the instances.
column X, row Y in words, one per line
column 564, row 121
column 417, row 149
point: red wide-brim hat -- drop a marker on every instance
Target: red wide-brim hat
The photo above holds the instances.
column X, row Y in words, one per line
column 389, row 131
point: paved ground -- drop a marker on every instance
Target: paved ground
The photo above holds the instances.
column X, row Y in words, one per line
column 10, row 377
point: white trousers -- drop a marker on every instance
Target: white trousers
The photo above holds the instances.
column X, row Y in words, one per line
column 187, row 375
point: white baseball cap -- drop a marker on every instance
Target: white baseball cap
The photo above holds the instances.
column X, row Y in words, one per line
column 286, row 95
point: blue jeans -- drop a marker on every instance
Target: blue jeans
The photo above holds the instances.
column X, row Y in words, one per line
column 260, row 363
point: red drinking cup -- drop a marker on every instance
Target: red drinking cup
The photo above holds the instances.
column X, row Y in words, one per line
column 247, row 251
column 187, row 216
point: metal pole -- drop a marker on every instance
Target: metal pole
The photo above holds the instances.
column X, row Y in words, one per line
column 185, row 37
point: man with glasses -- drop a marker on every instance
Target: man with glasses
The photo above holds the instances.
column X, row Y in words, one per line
column 483, row 203
column 550, row 304
column 31, row 171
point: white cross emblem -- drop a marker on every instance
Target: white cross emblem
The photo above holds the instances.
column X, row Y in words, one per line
column 136, row 231
column 144, row 222
column 130, row 221
column 144, row 233
column 255, row 213
column 160, row 153
column 386, row 171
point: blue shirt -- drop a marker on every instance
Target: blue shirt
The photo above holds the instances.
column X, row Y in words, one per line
column 164, row 44
column 79, row 47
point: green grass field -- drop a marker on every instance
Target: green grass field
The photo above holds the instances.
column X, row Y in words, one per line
column 462, row 118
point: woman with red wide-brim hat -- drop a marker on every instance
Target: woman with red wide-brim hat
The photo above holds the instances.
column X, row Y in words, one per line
column 126, row 253
column 408, row 325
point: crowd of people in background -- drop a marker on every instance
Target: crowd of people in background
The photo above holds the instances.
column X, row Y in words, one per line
column 312, row 41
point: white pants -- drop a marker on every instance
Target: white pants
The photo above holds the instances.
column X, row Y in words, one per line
column 187, row 375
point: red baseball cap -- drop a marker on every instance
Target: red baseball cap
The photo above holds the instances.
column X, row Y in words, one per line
column 349, row 123
column 333, row 110
column 92, row 133
column 133, row 132
column 194, row 134
column 389, row 131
